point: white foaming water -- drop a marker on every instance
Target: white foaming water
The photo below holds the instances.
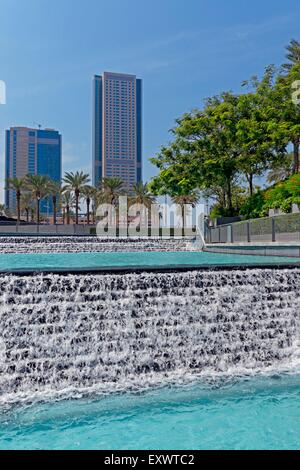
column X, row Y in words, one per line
column 72, row 334
column 92, row 244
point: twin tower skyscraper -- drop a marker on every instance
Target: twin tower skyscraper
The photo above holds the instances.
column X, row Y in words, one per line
column 117, row 128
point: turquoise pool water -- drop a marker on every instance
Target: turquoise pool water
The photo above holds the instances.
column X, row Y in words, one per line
column 9, row 262
column 250, row 414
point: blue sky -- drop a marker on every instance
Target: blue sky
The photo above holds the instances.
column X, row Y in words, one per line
column 184, row 52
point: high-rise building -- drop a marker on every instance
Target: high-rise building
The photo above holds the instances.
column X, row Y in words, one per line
column 35, row 152
column 117, row 128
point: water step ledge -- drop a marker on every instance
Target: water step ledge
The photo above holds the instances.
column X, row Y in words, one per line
column 121, row 270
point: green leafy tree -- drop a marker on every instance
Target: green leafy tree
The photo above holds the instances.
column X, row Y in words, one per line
column 76, row 182
column 234, row 137
column 286, row 113
column 293, row 186
column 176, row 171
column 258, row 142
column 278, row 113
column 278, row 197
column 239, row 196
column 282, row 169
column 254, row 206
column 203, row 153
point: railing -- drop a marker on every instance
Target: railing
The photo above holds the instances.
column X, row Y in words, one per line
column 282, row 228
column 155, row 232
column 41, row 229
column 84, row 230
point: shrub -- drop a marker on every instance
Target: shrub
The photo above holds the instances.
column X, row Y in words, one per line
column 293, row 186
column 281, row 196
column 276, row 196
column 254, row 206
column 219, row 211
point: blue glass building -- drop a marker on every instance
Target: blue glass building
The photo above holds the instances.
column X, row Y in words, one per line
column 35, row 152
column 117, row 128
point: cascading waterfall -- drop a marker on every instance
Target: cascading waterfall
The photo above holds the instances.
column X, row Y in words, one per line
column 62, row 334
column 92, row 244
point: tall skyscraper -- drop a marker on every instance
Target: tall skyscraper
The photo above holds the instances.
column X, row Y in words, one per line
column 35, row 152
column 117, row 128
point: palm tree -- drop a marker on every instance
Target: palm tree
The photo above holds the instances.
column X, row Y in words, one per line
column 142, row 195
column 183, row 199
column 76, row 182
column 3, row 210
column 67, row 202
column 98, row 198
column 26, row 204
column 40, row 188
column 293, row 54
column 56, row 191
column 89, row 193
column 17, row 185
column 111, row 189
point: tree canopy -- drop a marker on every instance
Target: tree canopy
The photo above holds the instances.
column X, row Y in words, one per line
column 234, row 138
